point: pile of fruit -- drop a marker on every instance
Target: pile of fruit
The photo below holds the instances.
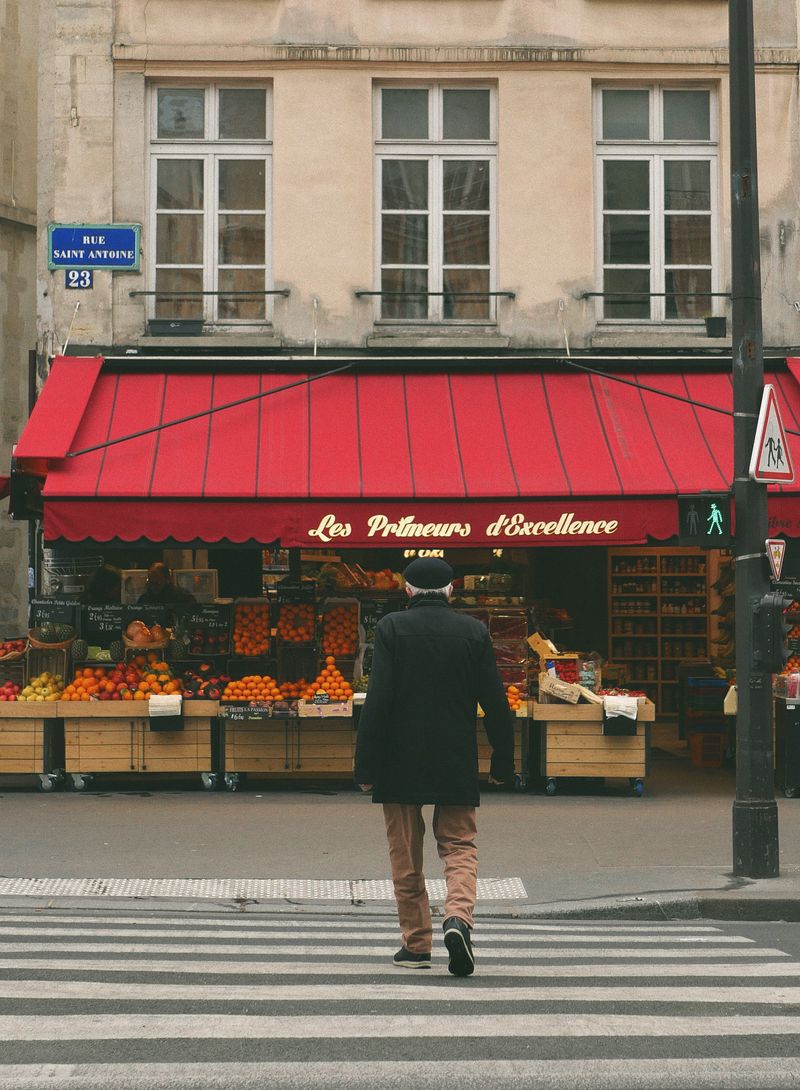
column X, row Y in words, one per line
column 330, row 681
column 794, row 632
column 340, row 630
column 53, row 632
column 207, row 642
column 203, row 683
column 514, row 697
column 566, row 670
column 296, row 622
column 139, row 679
column 252, row 687
column 385, row 579
column 140, row 635
column 11, row 647
column 792, row 665
column 251, row 629
column 45, row 687
column 10, row 691
column 293, row 690
column 620, row 692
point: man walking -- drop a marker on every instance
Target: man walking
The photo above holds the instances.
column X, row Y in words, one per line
column 417, row 744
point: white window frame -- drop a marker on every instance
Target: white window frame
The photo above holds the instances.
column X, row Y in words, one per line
column 210, row 151
column 658, row 151
column 436, row 150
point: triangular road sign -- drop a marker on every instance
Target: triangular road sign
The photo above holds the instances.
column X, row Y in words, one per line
column 771, row 459
column 776, row 548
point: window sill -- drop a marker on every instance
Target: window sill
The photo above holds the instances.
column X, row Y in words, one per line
column 655, row 336
column 435, row 336
column 213, row 340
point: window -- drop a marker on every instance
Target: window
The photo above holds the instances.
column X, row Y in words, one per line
column 656, row 153
column 435, row 164
column 209, row 184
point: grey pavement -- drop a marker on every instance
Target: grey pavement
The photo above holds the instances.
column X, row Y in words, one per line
column 589, row 850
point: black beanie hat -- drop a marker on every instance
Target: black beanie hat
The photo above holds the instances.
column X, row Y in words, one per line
column 428, row 573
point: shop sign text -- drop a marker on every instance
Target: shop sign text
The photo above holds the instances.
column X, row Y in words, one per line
column 514, row 525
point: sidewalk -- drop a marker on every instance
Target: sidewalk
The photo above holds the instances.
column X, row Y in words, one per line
column 587, row 851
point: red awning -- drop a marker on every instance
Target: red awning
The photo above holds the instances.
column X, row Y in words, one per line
column 356, row 459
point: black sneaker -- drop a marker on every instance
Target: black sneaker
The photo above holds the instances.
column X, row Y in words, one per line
column 406, row 959
column 459, row 947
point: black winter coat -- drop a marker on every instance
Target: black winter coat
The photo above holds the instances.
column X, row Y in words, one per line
column 417, row 739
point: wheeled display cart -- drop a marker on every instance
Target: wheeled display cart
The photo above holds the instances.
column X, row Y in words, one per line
column 572, row 744
column 106, row 736
column 787, row 746
column 31, row 741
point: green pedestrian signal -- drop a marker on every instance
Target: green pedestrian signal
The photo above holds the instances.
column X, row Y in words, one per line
column 704, row 520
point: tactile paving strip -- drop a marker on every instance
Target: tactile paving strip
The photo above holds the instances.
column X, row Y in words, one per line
column 358, row 890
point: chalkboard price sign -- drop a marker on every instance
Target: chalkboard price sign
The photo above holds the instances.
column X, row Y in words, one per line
column 253, row 712
column 102, row 624
column 53, row 611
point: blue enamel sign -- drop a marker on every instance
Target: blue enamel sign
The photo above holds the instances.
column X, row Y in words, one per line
column 93, row 246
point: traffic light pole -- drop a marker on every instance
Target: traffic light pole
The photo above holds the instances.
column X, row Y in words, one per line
column 755, row 813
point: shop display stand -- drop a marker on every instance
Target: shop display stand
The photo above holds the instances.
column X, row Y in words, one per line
column 32, row 742
column 658, row 614
column 572, row 744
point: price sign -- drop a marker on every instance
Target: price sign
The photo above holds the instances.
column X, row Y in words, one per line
column 211, row 618
column 53, row 611
column 253, row 712
column 101, row 624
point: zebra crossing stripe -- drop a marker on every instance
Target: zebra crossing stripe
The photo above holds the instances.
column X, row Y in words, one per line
column 321, row 931
column 734, row 1073
column 305, row 969
column 105, row 1027
column 329, row 950
column 384, row 993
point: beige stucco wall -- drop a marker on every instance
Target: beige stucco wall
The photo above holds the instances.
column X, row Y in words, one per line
column 18, row 32
column 322, row 60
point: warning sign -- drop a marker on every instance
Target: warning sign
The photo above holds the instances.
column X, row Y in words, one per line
column 776, row 549
column 771, row 460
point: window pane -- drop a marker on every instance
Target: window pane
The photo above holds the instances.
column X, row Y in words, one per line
column 626, row 280
column 465, row 115
column 241, row 183
column 458, row 280
column 179, row 239
column 179, row 280
column 241, row 307
column 466, row 184
column 687, row 115
column 626, row 115
column 404, row 113
column 683, row 281
column 241, row 240
column 626, row 185
column 405, row 240
column 466, row 240
column 626, row 240
column 179, row 183
column 181, row 113
column 687, row 240
column 687, row 185
column 414, row 280
column 242, row 113
column 404, row 183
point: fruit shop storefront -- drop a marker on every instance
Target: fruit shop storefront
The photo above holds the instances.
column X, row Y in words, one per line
column 524, row 475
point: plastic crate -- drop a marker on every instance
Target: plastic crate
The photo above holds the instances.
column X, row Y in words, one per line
column 707, row 750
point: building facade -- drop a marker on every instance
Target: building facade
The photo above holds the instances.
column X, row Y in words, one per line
column 384, row 175
column 18, row 44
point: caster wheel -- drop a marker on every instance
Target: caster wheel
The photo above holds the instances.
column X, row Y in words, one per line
column 47, row 782
column 209, row 780
column 638, row 788
column 551, row 787
column 78, row 782
column 231, row 781
column 790, row 792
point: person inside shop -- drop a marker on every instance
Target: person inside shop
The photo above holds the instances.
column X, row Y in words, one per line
column 162, row 589
column 104, row 588
column 417, row 745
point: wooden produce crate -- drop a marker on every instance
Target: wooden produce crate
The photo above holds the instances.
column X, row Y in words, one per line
column 30, row 740
column 325, row 747
column 572, row 744
column 262, row 747
column 106, row 736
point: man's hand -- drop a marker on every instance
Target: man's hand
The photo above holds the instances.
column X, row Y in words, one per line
column 366, row 787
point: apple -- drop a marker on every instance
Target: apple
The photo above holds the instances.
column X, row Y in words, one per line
column 115, row 696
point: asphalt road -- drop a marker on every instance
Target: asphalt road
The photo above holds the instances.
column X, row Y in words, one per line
column 141, row 999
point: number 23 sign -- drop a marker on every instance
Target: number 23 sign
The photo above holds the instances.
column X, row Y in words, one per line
column 79, row 278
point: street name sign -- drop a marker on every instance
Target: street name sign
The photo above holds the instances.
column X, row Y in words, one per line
column 93, row 246
column 776, row 550
column 771, row 459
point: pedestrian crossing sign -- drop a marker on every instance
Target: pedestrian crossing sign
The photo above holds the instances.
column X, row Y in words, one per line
column 771, row 459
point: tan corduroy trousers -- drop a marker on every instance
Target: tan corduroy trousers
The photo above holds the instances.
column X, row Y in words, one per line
column 454, row 828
